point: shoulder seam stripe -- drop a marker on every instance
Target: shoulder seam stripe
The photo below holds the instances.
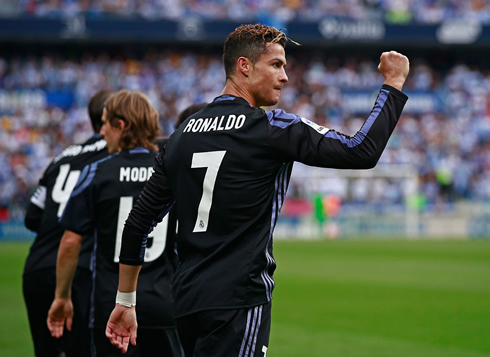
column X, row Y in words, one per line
column 281, row 119
column 87, row 175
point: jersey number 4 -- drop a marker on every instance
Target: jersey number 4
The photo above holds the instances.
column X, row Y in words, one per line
column 159, row 233
column 212, row 161
column 65, row 182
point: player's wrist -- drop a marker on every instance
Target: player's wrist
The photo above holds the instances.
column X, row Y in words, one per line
column 398, row 84
column 126, row 299
column 395, row 83
column 62, row 294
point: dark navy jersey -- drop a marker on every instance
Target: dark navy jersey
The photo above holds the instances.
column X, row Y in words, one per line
column 228, row 167
column 50, row 199
column 99, row 205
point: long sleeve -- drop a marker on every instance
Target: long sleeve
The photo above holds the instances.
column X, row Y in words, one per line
column 153, row 204
column 33, row 217
column 298, row 139
column 35, row 210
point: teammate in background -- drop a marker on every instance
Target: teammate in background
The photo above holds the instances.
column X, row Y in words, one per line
column 187, row 112
column 99, row 205
column 39, row 278
column 228, row 167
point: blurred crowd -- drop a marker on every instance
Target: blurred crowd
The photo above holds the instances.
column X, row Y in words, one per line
column 450, row 148
column 391, row 11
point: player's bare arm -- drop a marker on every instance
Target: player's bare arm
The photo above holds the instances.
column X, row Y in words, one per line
column 62, row 308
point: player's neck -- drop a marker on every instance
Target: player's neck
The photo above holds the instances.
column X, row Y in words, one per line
column 238, row 90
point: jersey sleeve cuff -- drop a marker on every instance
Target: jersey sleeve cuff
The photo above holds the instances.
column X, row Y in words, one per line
column 130, row 261
column 66, row 226
column 396, row 92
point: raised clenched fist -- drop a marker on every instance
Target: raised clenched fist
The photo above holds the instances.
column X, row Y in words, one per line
column 394, row 66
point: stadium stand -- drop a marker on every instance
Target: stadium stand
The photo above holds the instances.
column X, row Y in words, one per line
column 449, row 145
column 48, row 72
column 418, row 11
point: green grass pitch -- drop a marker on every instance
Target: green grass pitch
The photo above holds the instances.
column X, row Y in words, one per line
column 343, row 298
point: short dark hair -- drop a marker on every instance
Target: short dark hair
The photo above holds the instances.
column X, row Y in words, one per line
column 249, row 41
column 140, row 116
column 96, row 106
column 187, row 112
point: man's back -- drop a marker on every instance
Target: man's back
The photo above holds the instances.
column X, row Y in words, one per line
column 39, row 279
column 100, row 204
column 228, row 224
column 54, row 190
column 229, row 167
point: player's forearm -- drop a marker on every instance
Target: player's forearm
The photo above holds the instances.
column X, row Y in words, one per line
column 66, row 265
column 377, row 129
column 363, row 150
column 128, row 277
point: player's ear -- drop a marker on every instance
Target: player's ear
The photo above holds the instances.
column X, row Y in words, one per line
column 122, row 125
column 244, row 65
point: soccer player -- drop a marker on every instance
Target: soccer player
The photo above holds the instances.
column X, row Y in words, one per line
column 43, row 212
column 184, row 114
column 187, row 112
column 99, row 205
column 228, row 167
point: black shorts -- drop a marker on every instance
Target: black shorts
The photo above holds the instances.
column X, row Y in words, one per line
column 38, row 288
column 149, row 343
column 226, row 333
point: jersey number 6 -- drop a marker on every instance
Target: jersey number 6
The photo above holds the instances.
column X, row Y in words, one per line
column 159, row 233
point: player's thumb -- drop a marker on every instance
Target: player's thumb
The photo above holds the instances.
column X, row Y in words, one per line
column 69, row 322
column 133, row 332
column 51, row 327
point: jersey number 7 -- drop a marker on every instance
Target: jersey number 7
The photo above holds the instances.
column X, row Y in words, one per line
column 212, row 161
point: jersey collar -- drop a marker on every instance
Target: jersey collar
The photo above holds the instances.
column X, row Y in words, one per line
column 229, row 98
column 136, row 150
